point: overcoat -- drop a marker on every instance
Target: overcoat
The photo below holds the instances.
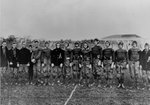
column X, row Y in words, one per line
column 3, row 57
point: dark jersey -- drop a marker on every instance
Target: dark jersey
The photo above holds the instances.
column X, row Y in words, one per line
column 134, row 54
column 24, row 56
column 13, row 56
column 57, row 56
column 144, row 56
column 108, row 54
column 68, row 53
column 97, row 51
column 86, row 54
column 76, row 54
column 120, row 55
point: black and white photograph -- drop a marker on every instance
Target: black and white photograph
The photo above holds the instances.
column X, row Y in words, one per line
column 74, row 52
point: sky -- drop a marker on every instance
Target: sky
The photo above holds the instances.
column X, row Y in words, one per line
column 74, row 19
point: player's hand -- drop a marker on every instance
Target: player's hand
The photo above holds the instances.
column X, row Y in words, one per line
column 127, row 66
column 102, row 65
column 33, row 60
column 148, row 59
column 70, row 64
column 28, row 64
column 43, row 64
column 10, row 63
column 90, row 66
column 80, row 65
column 112, row 65
column 98, row 56
column 52, row 64
column 99, row 63
column 140, row 66
column 61, row 65
column 17, row 64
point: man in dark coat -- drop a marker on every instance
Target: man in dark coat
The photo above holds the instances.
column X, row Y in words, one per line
column 57, row 61
column 3, row 56
column 145, row 62
column 24, row 58
column 13, row 54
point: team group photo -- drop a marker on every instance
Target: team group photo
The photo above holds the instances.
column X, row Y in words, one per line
column 74, row 52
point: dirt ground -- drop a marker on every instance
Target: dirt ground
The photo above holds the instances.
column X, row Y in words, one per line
column 57, row 94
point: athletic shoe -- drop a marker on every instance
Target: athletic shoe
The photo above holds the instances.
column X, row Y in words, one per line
column 122, row 85
column 119, row 86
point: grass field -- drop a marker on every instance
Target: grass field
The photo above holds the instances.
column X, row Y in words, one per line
column 24, row 94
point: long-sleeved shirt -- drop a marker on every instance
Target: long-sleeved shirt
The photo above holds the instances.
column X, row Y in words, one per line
column 108, row 54
column 97, row 52
column 121, row 55
column 57, row 56
column 134, row 54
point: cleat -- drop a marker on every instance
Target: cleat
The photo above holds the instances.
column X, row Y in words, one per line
column 119, row 86
column 123, row 86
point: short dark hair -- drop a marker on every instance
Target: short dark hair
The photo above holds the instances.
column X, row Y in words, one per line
column 46, row 43
column 146, row 44
column 107, row 42
column 36, row 41
column 120, row 43
column 134, row 42
column 76, row 43
column 96, row 40
column 30, row 45
column 14, row 43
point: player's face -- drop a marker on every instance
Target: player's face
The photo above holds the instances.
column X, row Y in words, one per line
column 30, row 48
column 95, row 42
column 120, row 46
column 14, row 45
column 85, row 45
column 107, row 44
column 23, row 45
column 146, row 47
column 67, row 45
column 47, row 45
column 4, row 44
column 134, row 45
column 57, row 45
column 76, row 45
column 36, row 44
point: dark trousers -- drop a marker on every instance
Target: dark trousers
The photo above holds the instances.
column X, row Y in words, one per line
column 30, row 71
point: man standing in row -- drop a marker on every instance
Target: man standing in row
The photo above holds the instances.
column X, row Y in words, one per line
column 145, row 63
column 13, row 59
column 3, row 57
column 121, row 60
column 134, row 57
column 36, row 58
column 96, row 60
column 24, row 58
column 108, row 62
column 57, row 62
